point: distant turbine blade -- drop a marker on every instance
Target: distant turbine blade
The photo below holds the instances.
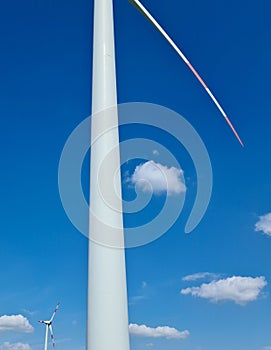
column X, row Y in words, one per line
column 147, row 14
column 54, row 312
column 41, row 321
column 52, row 335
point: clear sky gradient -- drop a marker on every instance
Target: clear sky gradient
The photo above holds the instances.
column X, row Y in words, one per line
column 45, row 92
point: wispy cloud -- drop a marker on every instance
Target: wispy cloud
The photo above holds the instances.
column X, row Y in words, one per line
column 142, row 294
column 151, row 176
column 28, row 312
column 264, row 224
column 63, row 340
column 241, row 290
column 15, row 346
column 144, row 284
column 158, row 332
column 200, row 276
column 134, row 299
column 15, row 323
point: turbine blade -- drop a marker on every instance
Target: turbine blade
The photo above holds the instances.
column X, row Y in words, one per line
column 54, row 312
column 147, row 14
column 41, row 321
column 52, row 335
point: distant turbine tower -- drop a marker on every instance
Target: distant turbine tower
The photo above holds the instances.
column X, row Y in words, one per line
column 107, row 316
column 48, row 325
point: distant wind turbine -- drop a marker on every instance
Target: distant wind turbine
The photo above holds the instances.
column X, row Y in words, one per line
column 107, row 315
column 48, row 325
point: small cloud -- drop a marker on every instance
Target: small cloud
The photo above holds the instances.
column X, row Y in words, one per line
column 15, row 346
column 144, row 285
column 151, row 176
column 141, row 295
column 63, row 340
column 15, row 323
column 200, row 276
column 149, row 345
column 28, row 312
column 133, row 300
column 241, row 290
column 264, row 224
column 155, row 152
column 158, row 332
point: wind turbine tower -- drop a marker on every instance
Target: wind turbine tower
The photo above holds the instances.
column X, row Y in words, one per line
column 107, row 315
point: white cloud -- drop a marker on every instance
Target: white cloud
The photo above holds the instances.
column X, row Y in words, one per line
column 149, row 345
column 15, row 346
column 151, row 176
column 241, row 290
column 29, row 312
column 264, row 224
column 158, row 332
column 15, row 323
column 199, row 276
column 144, row 284
column 135, row 299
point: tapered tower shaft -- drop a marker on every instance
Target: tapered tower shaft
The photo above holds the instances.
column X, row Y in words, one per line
column 46, row 338
column 107, row 317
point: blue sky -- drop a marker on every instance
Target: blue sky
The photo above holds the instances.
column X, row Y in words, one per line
column 46, row 92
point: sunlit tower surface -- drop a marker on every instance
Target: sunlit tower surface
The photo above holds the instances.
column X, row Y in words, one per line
column 107, row 316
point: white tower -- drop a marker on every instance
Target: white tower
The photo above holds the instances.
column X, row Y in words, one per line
column 107, row 316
